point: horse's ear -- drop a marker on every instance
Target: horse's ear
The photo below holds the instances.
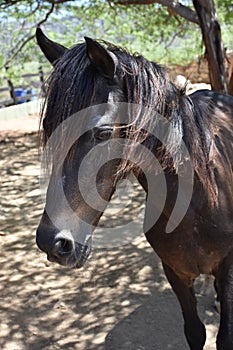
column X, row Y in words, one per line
column 50, row 49
column 101, row 58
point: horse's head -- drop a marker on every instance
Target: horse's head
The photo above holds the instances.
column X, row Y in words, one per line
column 78, row 138
column 103, row 118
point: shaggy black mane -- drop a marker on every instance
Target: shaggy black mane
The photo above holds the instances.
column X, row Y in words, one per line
column 72, row 87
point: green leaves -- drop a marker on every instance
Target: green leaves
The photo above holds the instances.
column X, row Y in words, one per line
column 152, row 30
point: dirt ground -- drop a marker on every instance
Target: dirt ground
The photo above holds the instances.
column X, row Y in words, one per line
column 119, row 301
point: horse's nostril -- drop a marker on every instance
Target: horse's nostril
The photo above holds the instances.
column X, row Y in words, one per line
column 63, row 247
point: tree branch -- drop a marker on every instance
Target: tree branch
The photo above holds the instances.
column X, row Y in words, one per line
column 176, row 7
column 21, row 46
column 8, row 3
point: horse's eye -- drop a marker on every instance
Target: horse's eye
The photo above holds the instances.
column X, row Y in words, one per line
column 103, row 135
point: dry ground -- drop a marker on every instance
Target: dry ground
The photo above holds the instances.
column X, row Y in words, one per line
column 119, row 300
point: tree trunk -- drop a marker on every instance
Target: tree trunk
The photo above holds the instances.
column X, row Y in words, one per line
column 230, row 85
column 215, row 52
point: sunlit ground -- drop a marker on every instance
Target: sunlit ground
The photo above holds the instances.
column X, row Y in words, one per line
column 119, row 300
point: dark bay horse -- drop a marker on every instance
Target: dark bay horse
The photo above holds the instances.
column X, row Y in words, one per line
column 102, row 98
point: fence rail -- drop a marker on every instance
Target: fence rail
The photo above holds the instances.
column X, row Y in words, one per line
column 31, row 89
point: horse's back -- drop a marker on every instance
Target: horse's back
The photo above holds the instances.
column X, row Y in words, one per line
column 220, row 113
column 222, row 101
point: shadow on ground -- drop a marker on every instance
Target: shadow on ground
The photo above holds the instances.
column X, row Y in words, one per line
column 120, row 300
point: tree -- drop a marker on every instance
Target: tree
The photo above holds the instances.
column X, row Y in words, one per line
column 154, row 16
column 206, row 17
column 215, row 51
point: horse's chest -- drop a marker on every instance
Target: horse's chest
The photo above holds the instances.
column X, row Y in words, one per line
column 191, row 259
column 188, row 255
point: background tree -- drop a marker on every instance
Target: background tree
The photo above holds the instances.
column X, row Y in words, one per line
column 207, row 19
column 212, row 37
column 149, row 27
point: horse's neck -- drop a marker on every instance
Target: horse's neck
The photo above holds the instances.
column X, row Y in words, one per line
column 155, row 206
column 156, row 193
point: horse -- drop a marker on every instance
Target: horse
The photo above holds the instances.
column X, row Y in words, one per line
column 100, row 96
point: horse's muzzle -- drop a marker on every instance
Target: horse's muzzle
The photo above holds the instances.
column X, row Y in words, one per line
column 69, row 253
column 64, row 251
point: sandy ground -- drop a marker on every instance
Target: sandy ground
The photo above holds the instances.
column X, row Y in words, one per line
column 119, row 300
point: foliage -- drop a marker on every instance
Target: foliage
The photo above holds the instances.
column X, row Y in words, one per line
column 146, row 29
column 225, row 14
column 151, row 30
